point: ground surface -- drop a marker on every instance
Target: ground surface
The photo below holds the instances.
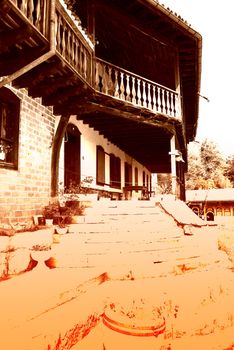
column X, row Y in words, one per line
column 140, row 267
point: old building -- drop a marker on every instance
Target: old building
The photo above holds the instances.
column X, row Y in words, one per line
column 104, row 89
column 216, row 204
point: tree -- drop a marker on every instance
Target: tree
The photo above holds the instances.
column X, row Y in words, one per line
column 206, row 168
column 230, row 169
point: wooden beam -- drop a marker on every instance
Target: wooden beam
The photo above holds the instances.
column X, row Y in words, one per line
column 56, row 146
column 11, row 63
column 13, row 37
column 60, row 97
column 49, row 86
column 38, row 74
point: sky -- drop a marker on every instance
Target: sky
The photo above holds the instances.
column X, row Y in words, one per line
column 213, row 19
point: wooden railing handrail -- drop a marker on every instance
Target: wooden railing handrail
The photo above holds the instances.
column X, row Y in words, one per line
column 38, row 14
column 97, row 59
column 72, row 26
column 121, row 84
column 68, row 40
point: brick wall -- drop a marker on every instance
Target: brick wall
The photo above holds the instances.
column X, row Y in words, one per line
column 25, row 191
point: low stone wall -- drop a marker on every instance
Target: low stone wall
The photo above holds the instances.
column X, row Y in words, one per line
column 15, row 255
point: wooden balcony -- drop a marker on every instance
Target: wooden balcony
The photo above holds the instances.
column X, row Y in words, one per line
column 44, row 49
column 131, row 88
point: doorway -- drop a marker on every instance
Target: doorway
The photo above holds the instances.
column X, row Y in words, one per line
column 72, row 156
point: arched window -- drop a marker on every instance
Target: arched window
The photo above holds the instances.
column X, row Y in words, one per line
column 9, row 128
column 219, row 211
column 100, row 166
column 227, row 211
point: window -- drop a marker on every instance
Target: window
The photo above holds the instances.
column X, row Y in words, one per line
column 219, row 211
column 115, row 171
column 127, row 174
column 100, row 166
column 143, row 175
column 9, row 128
column 136, row 176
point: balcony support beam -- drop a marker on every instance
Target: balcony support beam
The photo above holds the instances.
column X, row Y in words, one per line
column 44, row 57
column 56, row 146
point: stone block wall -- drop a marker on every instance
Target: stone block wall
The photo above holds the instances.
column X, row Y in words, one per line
column 24, row 192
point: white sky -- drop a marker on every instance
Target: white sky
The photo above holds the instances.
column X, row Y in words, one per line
column 213, row 19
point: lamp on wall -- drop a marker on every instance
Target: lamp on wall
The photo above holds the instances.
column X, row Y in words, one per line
column 178, row 155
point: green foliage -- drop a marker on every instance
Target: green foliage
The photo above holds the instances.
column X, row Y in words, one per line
column 230, row 169
column 206, row 168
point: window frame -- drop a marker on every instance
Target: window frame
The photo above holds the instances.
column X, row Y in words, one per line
column 12, row 103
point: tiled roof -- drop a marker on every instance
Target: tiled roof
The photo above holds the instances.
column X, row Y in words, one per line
column 211, row 195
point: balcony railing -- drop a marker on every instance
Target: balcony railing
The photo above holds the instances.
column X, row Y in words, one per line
column 73, row 47
column 37, row 12
column 126, row 86
column 71, row 44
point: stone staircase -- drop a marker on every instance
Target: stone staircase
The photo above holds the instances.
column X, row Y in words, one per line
column 139, row 235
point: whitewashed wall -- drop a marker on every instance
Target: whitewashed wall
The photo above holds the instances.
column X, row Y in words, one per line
column 89, row 140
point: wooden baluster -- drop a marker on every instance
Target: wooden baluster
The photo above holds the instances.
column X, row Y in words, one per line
column 163, row 101
column 81, row 60
column 122, row 86
column 139, row 92
column 73, row 49
column 170, row 99
column 154, row 99
column 159, row 99
column 77, row 55
column 128, row 97
column 144, row 94
column 133, row 90
column 168, row 105
column 104, row 79
column 68, row 46
column 30, row 10
column 63, row 42
column 37, row 15
column 58, row 38
column 85, row 64
column 97, row 80
column 172, row 109
column 23, row 7
column 116, row 84
column 110, row 82
column 149, row 96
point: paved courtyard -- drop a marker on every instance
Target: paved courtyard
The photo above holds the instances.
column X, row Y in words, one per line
column 140, row 266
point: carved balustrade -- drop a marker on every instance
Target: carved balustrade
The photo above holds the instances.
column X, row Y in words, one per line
column 68, row 39
column 71, row 44
column 121, row 84
column 37, row 12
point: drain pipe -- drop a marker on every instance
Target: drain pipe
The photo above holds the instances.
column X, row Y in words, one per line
column 8, row 79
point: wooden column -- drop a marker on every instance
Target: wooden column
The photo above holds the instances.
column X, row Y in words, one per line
column 173, row 165
column 56, row 146
column 91, row 20
column 177, row 84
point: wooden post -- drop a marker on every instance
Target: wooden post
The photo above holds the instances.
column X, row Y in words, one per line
column 173, row 165
column 91, row 20
column 56, row 146
column 178, row 109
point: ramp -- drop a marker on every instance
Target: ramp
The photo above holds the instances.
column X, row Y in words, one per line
column 181, row 213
